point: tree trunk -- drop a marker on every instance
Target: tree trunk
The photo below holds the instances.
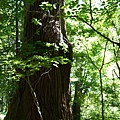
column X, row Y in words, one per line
column 43, row 95
column 76, row 103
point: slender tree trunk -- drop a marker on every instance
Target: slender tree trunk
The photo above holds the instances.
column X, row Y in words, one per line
column 17, row 30
column 76, row 103
column 45, row 94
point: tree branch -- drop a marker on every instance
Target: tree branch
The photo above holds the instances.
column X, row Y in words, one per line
column 91, row 12
column 103, row 56
column 34, row 97
column 117, row 64
column 101, row 34
column 90, row 58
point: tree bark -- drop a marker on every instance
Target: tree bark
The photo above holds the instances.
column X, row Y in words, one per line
column 43, row 95
column 76, row 103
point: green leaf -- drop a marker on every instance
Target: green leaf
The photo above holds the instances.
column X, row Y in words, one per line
column 36, row 22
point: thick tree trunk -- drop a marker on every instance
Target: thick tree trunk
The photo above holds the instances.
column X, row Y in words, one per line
column 45, row 94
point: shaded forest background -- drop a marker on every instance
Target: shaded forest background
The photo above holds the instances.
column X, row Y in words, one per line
column 94, row 32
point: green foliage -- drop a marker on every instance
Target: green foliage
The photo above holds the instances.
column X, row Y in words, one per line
column 7, row 50
column 36, row 22
column 46, row 6
column 89, row 27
